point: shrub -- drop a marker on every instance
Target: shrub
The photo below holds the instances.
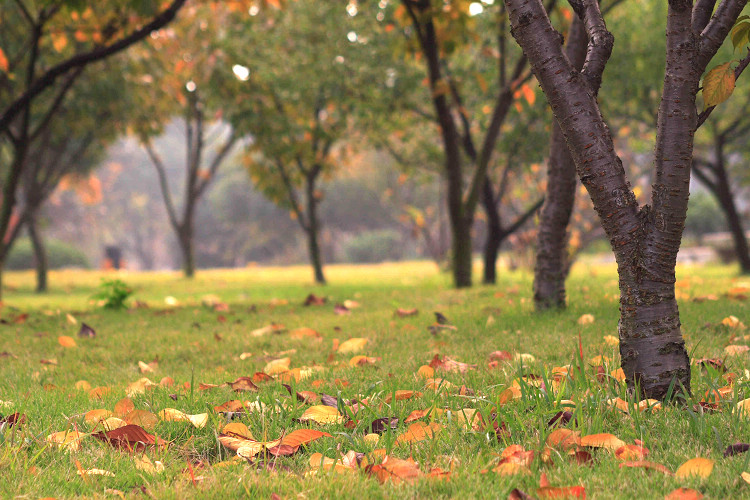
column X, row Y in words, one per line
column 374, row 246
column 114, row 293
column 59, row 255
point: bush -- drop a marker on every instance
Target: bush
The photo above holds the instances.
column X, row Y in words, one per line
column 59, row 255
column 113, row 294
column 374, row 246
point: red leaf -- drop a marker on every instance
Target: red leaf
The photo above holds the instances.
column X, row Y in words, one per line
column 132, row 437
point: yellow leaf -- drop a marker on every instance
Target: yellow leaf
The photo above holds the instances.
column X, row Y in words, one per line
column 138, row 387
column 71, row 319
column 734, row 350
column 66, row 341
column 510, row 394
column 68, row 440
column 718, row 85
column 238, row 429
column 362, row 360
column 745, row 477
column 733, row 322
column 586, row 319
column 608, row 441
column 95, row 472
column 96, row 416
column 277, row 366
column 611, row 340
column 83, row 385
column 322, row 414
column 113, row 423
column 700, row 467
column 353, row 345
column 143, row 463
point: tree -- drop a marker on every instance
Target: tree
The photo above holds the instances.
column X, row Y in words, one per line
column 34, row 60
column 301, row 113
column 440, row 28
column 645, row 239
column 174, row 75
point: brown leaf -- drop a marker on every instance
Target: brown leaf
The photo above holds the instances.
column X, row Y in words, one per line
column 517, row 494
column 736, row 449
column 500, row 356
column 13, row 419
column 380, row 425
column 86, row 331
column 417, row 414
column 242, row 384
column 261, row 377
column 314, row 300
column 131, row 437
column 560, row 418
column 341, row 310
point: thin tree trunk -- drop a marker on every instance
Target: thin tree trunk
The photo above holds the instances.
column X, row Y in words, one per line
column 726, row 200
column 185, row 239
column 461, row 253
column 495, row 235
column 40, row 254
column 313, row 230
column 551, row 269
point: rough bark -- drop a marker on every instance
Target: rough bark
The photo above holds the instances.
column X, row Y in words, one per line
column 645, row 241
column 40, row 254
column 495, row 235
column 552, row 266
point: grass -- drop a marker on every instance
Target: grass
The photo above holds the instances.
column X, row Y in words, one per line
column 195, row 344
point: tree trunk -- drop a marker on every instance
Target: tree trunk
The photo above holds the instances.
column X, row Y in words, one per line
column 552, row 266
column 495, row 235
column 723, row 192
column 313, row 229
column 461, row 253
column 185, row 238
column 40, row 254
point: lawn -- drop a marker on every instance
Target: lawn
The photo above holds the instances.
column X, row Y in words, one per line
column 189, row 335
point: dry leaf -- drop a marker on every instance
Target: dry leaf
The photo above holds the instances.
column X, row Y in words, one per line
column 564, row 439
column 684, row 494
column 94, row 472
column 733, row 322
column 143, row 418
column 700, row 467
column 113, row 423
column 123, row 407
column 130, row 437
column 146, row 368
column 277, row 366
column 402, row 395
column 511, row 469
column 143, row 463
column 395, row 470
column 363, row 360
column 272, row 328
column 611, row 340
column 561, row 492
column 353, row 345
column 419, row 431
column 99, row 392
column 301, row 333
column 631, row 452
column 426, row 371
column 403, row 313
column 66, row 341
column 586, row 319
column 322, row 414
column 745, row 477
column 68, row 440
column 608, row 441
column 95, row 416
column 138, row 387
column 734, row 350
column 510, row 394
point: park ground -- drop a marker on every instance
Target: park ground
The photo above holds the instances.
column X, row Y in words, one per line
column 208, row 331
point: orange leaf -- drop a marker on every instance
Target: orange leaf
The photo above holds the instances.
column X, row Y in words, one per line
column 4, row 66
column 647, row 465
column 609, row 441
column 563, row 438
column 395, row 470
column 684, row 494
column 322, row 414
column 402, row 395
column 143, row 418
column 561, row 492
column 302, row 436
column 243, row 384
column 631, row 452
column 123, row 407
column 66, row 341
column 419, row 431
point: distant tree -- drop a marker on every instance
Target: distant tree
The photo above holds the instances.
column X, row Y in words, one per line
column 44, row 48
column 300, row 113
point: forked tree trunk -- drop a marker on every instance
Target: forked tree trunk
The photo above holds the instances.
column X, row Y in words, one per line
column 645, row 240
column 40, row 254
column 552, row 266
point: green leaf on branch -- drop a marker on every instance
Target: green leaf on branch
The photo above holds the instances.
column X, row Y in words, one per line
column 741, row 32
column 718, row 85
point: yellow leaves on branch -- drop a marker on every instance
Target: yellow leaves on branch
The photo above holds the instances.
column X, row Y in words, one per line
column 718, row 85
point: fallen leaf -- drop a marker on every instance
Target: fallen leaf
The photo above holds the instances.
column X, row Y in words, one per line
column 684, row 494
column 733, row 322
column 341, row 310
column 380, row 425
column 402, row 395
column 51, row 361
column 450, row 365
column 700, row 467
column 561, row 492
column 99, row 392
column 272, row 328
column 735, row 350
column 510, row 394
column 354, row 344
column 143, row 463
column 631, row 452
column 560, row 418
column 362, row 360
column 147, row 368
column 71, row 319
column 301, row 333
column 500, row 356
column 403, row 313
column 564, row 439
column 66, row 341
column 611, row 340
column 86, row 331
column 68, row 440
column 511, row 469
column 608, row 441
column 314, row 300
column 395, row 470
column 745, row 477
column 95, row 472
column 277, row 366
column 95, row 416
column 645, row 464
column 585, row 319
column 131, row 437
column 322, row 414
column 172, row 415
column 419, row 431
column 142, row 418
column 123, row 407
column 13, row 419
column 243, row 384
column 138, row 387
column 113, row 423
column 736, row 449
column 417, row 414
column 426, row 371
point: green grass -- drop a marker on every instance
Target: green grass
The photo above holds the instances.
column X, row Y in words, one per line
column 196, row 344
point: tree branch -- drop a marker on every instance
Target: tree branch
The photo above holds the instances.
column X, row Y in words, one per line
column 216, row 162
column 717, row 29
column 83, row 59
column 702, row 11
column 163, row 183
column 521, row 220
column 601, row 40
